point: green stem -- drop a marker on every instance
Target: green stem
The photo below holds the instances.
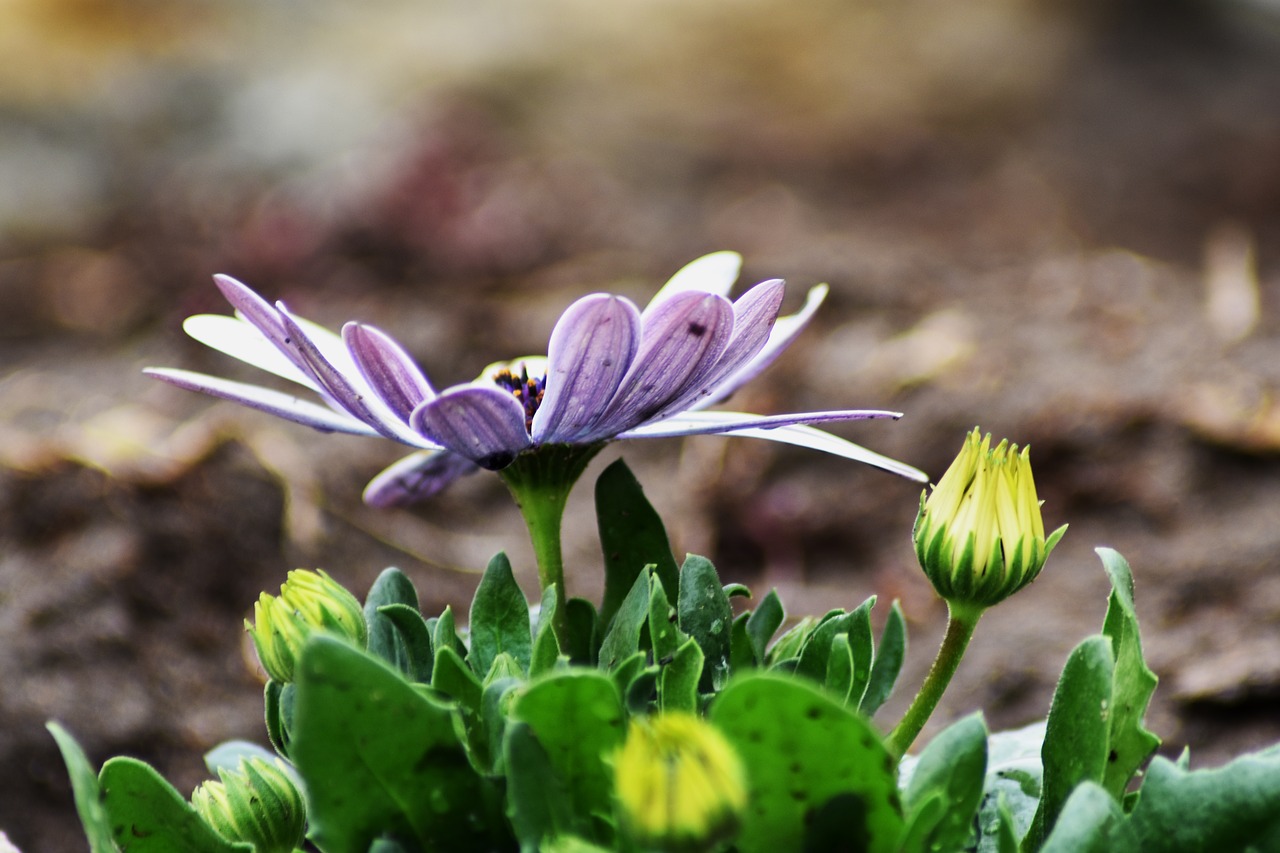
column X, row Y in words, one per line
column 961, row 622
column 541, row 482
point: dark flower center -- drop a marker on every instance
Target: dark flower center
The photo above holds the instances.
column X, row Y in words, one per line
column 527, row 391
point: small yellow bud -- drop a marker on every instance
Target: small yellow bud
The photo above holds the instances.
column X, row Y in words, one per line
column 307, row 601
column 256, row 803
column 679, row 783
column 979, row 535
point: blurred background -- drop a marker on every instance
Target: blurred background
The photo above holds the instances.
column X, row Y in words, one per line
column 1059, row 221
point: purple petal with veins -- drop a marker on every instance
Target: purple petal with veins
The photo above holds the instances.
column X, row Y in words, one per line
column 417, row 477
column 484, row 424
column 783, row 333
column 357, row 400
column 684, row 334
column 753, row 316
column 264, row 399
column 592, row 347
column 388, row 369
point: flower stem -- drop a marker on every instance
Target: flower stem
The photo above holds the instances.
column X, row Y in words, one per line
column 541, row 482
column 961, row 622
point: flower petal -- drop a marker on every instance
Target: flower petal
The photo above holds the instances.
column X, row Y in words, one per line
column 389, row 370
column 683, row 335
column 483, row 424
column 240, row 339
column 713, row 273
column 348, row 387
column 783, row 333
column 591, row 348
column 754, row 314
column 264, row 399
column 815, row 439
column 707, row 423
column 416, row 477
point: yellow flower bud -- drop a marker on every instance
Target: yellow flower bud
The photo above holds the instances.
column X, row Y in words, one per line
column 979, row 535
column 679, row 783
column 307, row 601
column 256, row 803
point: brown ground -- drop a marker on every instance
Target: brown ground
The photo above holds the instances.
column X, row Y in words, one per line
column 1057, row 225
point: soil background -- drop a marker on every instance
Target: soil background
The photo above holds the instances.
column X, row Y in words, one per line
column 1059, row 221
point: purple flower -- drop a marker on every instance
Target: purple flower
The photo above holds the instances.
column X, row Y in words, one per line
column 611, row 372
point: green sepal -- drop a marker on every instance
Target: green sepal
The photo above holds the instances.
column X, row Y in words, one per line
column 278, row 702
column 705, row 615
column 499, row 619
column 631, row 535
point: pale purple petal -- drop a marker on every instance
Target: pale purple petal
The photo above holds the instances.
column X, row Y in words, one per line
column 713, row 273
column 417, row 477
column 240, row 339
column 754, row 314
column 484, row 424
column 347, row 388
column 783, row 333
column 815, row 439
column 389, row 370
column 707, row 423
column 264, row 399
column 591, row 348
column 685, row 334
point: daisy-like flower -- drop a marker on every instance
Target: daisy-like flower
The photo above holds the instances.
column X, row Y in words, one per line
column 611, row 372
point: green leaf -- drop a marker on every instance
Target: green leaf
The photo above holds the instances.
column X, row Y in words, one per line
column 664, row 636
column 1091, row 822
column 803, row 753
column 622, row 639
column 444, row 633
column 577, row 717
column 279, row 701
column 791, row 642
column 499, row 618
column 147, row 814
column 546, row 647
column 632, row 536
column 584, row 632
column 678, row 684
column 1015, row 781
column 1076, row 734
column 706, row 616
column 385, row 639
column 1233, row 807
column 953, row 765
column 840, row 666
column 764, row 623
column 390, row 760
column 817, row 647
column 538, row 802
column 84, row 786
column 737, row 590
column 887, row 663
column 499, row 693
column 741, row 655
column 454, row 679
column 1131, row 743
column 409, row 639
column 863, row 648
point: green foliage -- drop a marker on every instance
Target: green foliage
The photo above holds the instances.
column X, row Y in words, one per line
column 632, row 536
column 149, row 816
column 499, row 619
column 946, row 787
column 819, row 776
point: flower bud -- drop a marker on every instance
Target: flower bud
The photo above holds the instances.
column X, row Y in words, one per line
column 257, row 803
column 979, row 535
column 679, row 783
column 308, row 601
